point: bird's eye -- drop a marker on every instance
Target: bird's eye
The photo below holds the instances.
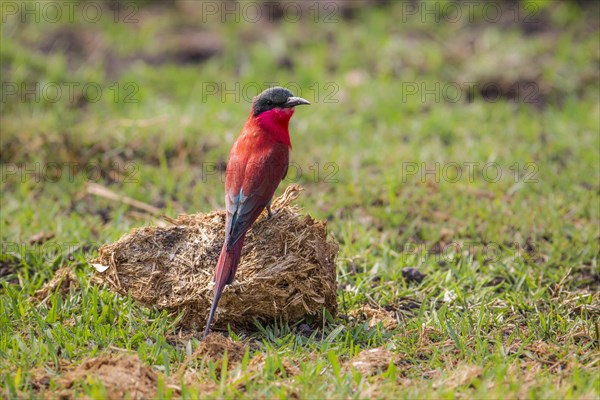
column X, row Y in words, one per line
column 269, row 103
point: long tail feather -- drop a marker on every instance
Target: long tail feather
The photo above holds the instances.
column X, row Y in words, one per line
column 224, row 275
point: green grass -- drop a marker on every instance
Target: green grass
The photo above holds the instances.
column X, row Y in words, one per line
column 509, row 306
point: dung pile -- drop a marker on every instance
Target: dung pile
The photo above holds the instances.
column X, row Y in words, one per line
column 287, row 269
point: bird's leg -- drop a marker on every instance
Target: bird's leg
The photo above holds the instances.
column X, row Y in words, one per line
column 271, row 213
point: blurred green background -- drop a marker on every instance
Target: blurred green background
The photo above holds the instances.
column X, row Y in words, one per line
column 457, row 138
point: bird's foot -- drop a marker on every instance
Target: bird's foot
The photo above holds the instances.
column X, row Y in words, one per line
column 271, row 213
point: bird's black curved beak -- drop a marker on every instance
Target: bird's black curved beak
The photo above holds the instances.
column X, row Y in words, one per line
column 295, row 101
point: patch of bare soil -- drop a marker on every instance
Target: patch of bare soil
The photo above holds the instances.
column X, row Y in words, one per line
column 375, row 316
column 214, row 346
column 64, row 280
column 212, row 349
column 290, row 366
column 459, row 376
column 120, row 375
column 372, row 361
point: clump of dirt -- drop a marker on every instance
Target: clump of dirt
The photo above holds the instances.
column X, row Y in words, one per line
column 214, row 346
column 212, row 349
column 375, row 316
column 459, row 376
column 41, row 237
column 119, row 374
column 370, row 361
column 289, row 367
column 287, row 269
column 64, row 279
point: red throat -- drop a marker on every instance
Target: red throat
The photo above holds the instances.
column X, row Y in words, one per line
column 276, row 122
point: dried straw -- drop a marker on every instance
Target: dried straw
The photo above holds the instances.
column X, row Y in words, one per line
column 287, row 270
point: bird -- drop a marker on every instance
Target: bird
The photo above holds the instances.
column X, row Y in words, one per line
column 258, row 162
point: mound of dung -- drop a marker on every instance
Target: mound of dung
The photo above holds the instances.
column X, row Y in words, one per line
column 287, row 269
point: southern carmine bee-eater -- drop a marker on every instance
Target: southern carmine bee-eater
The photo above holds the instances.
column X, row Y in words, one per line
column 258, row 161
